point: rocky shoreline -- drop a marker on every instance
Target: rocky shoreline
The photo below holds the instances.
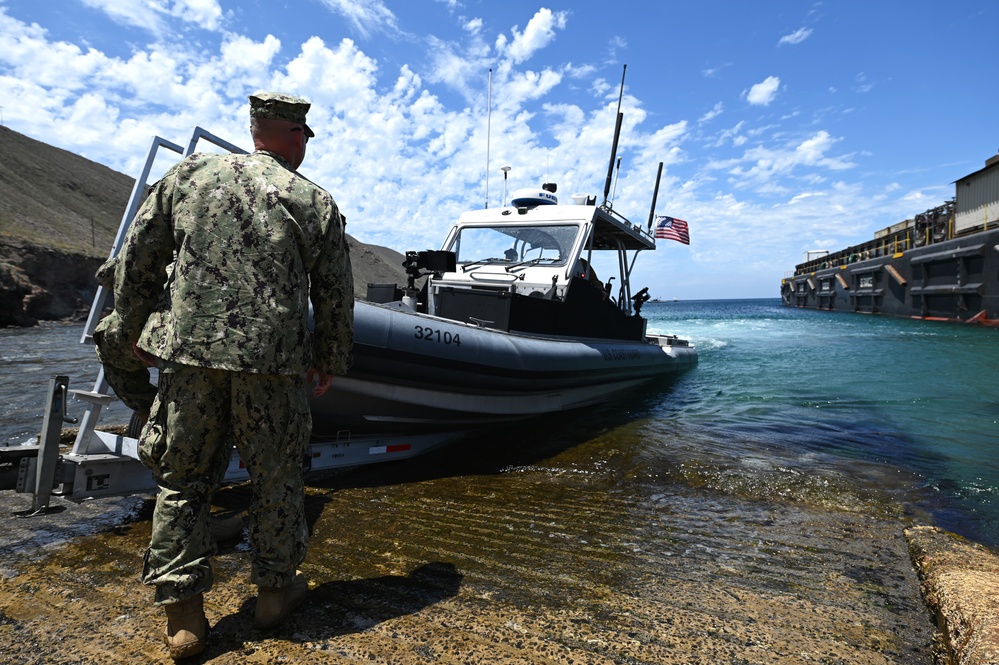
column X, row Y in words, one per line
column 43, row 284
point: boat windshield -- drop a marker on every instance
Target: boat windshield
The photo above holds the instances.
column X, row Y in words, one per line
column 550, row 245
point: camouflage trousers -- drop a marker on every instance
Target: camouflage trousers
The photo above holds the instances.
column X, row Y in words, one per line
column 196, row 417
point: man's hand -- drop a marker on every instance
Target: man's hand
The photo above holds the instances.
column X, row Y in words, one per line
column 322, row 381
column 147, row 358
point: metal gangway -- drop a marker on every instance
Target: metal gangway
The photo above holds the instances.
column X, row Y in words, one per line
column 103, row 463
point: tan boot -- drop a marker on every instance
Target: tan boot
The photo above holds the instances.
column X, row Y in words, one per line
column 276, row 603
column 187, row 627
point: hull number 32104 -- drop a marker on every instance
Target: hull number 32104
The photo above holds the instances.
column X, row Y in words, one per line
column 434, row 335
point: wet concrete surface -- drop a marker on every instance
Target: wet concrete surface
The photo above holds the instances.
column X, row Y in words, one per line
column 961, row 585
column 567, row 555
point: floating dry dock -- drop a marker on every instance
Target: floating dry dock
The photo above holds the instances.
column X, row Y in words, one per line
column 943, row 264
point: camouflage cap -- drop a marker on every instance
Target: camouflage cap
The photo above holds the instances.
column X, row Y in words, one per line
column 281, row 107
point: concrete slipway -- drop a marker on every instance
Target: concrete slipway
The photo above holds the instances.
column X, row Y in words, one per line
column 561, row 557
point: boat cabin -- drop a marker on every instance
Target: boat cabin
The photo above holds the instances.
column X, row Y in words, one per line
column 526, row 268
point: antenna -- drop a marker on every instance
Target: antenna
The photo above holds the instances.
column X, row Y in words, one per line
column 617, row 135
column 655, row 195
column 617, row 176
column 489, row 130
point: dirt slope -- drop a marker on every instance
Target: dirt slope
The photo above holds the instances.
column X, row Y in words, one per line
column 59, row 214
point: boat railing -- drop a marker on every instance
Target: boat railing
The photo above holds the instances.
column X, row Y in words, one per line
column 933, row 226
column 863, row 252
column 636, row 227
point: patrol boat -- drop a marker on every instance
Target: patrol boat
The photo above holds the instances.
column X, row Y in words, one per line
column 508, row 323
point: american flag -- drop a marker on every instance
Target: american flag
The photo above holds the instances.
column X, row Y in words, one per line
column 672, row 229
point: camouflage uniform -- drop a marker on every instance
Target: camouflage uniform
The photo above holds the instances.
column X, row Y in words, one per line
column 128, row 376
column 125, row 373
column 252, row 242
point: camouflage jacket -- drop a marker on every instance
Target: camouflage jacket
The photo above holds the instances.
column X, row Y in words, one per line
column 247, row 236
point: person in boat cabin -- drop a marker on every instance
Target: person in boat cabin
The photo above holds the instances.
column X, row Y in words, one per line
column 586, row 271
column 252, row 242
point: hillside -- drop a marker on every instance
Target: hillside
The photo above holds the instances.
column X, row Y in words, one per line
column 59, row 214
column 55, row 199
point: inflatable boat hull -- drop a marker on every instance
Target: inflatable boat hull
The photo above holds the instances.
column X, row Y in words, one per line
column 418, row 371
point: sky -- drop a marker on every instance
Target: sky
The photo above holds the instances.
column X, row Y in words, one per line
column 783, row 126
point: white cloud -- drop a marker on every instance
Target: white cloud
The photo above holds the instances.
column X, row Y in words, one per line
column 540, row 31
column 763, row 93
column 522, row 86
column 733, row 134
column 474, row 26
column 863, row 85
column 615, row 44
column 813, row 150
column 207, row 13
column 805, row 195
column 241, row 56
column 31, row 57
column 765, row 168
column 462, row 66
column 579, row 72
column 712, row 114
column 366, row 16
column 711, row 72
column 796, row 37
column 151, row 14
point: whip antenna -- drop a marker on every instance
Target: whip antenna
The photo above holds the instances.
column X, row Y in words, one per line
column 617, row 176
column 617, row 134
column 655, row 195
column 489, row 129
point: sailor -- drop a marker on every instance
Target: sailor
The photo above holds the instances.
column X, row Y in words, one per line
column 251, row 242
column 587, row 272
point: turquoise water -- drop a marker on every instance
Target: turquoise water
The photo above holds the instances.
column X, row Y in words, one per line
column 898, row 405
column 844, row 409
column 29, row 358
